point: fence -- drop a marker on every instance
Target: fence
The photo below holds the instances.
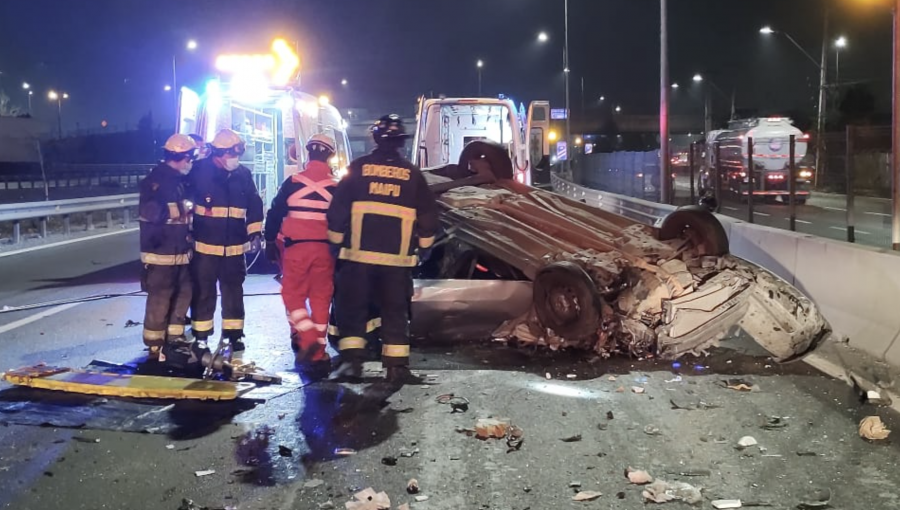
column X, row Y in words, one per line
column 83, row 208
column 633, row 174
column 69, row 181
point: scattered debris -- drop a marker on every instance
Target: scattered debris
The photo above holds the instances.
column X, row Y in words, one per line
column 774, row 423
column 638, row 477
column 571, row 376
column 877, row 398
column 457, row 404
column 170, row 447
column 204, row 472
column 872, row 428
column 574, row 485
column 284, row 451
column 407, row 410
column 816, row 498
column 638, row 389
column 746, row 442
column 410, row 454
column 676, row 379
column 85, row 439
column 688, row 405
column 571, row 439
column 368, row 499
column 389, row 461
column 514, row 439
column 328, row 505
column 344, row 452
column 602, row 426
column 421, row 498
column 586, row 496
column 412, row 486
column 611, row 378
column 726, row 503
column 807, row 453
column 620, row 495
column 187, row 504
column 620, row 389
column 548, row 376
column 130, row 323
column 404, row 506
column 869, row 392
column 690, row 472
column 281, row 416
column 738, row 385
column 486, row 428
column 662, row 492
column 312, row 484
column 609, row 415
column 652, row 430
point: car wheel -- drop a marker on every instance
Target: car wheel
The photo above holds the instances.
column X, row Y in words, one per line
column 700, row 226
column 566, row 301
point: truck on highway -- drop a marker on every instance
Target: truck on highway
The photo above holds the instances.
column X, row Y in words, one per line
column 771, row 159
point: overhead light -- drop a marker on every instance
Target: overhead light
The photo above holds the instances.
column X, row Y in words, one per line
column 191, row 45
column 167, row 88
column 766, row 30
column 26, row 86
column 543, row 37
column 674, row 85
column 324, row 100
column 698, row 77
column 841, row 42
column 480, row 64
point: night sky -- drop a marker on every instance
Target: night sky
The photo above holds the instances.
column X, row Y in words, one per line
column 115, row 56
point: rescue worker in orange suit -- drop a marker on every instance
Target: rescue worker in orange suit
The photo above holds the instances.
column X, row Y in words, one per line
column 381, row 214
column 297, row 219
column 165, row 213
column 228, row 215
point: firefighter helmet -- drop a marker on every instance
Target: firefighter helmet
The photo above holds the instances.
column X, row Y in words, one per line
column 321, row 143
column 179, row 146
column 227, row 141
column 389, row 127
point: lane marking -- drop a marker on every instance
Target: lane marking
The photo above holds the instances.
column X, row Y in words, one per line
column 877, row 214
column 761, row 214
column 835, row 209
column 730, row 208
column 844, row 229
column 36, row 317
column 798, row 220
column 67, row 242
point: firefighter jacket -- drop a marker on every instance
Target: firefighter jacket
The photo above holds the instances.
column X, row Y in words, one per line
column 165, row 214
column 382, row 211
column 227, row 209
column 298, row 211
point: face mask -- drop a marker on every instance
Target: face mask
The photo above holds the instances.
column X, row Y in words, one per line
column 231, row 164
column 186, row 167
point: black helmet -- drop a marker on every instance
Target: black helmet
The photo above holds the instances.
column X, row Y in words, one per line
column 389, row 127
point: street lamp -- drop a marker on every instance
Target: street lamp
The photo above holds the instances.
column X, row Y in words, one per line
column 618, row 109
column 479, row 65
column 190, row 45
column 698, row 78
column 543, row 37
column 675, row 86
column 839, row 44
column 55, row 96
column 344, row 82
column 167, row 88
column 26, row 86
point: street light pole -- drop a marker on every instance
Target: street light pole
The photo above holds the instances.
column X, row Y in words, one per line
column 566, row 72
column 895, row 134
column 823, row 69
column 480, row 66
column 665, row 174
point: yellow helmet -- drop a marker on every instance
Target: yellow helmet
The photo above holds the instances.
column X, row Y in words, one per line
column 227, row 141
column 179, row 144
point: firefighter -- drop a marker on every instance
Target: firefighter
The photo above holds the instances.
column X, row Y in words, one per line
column 297, row 220
column 381, row 214
column 202, row 147
column 228, row 214
column 165, row 213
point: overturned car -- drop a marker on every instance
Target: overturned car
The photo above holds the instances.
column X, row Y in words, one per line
column 605, row 283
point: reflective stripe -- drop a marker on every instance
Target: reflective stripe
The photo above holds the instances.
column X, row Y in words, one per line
column 321, row 327
column 237, row 212
column 221, row 251
column 351, row 342
column 371, row 326
column 202, row 325
column 407, row 218
column 156, row 259
column 333, row 331
column 301, row 215
column 312, row 187
column 254, row 228
column 335, row 237
column 220, row 212
column 305, row 325
column 232, row 323
column 426, row 242
column 152, row 334
column 395, row 351
column 175, row 329
column 174, row 212
column 305, row 202
column 298, row 315
column 378, row 259
column 382, row 209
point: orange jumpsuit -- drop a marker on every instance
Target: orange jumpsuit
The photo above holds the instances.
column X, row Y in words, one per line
column 297, row 219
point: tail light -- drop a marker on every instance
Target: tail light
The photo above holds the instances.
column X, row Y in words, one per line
column 775, row 177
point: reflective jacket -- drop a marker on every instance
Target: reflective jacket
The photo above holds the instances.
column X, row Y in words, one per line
column 298, row 211
column 227, row 209
column 165, row 214
column 382, row 211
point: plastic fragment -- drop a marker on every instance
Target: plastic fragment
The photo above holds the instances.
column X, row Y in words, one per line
column 746, row 442
column 586, row 496
column 872, row 428
column 638, row 477
column 412, row 486
column 726, row 503
column 204, row 472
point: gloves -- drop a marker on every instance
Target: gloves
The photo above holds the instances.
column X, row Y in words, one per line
column 424, row 255
column 273, row 254
column 256, row 244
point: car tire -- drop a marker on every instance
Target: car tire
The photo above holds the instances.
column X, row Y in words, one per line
column 566, row 301
column 698, row 224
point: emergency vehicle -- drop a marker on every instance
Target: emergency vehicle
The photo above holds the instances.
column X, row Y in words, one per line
column 445, row 126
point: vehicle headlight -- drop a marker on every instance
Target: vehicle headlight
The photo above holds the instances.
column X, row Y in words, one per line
column 805, row 174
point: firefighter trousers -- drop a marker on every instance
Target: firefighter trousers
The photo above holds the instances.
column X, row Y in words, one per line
column 358, row 287
column 308, row 275
column 168, row 291
column 229, row 273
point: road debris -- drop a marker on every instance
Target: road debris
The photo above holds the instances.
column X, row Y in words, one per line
column 312, row 484
column 689, row 472
column 677, row 378
column 457, row 404
column 638, row 389
column 586, row 496
column 389, row 461
column 652, row 430
column 368, row 499
column 421, row 498
column 284, row 451
column 819, row 497
column 869, row 392
column 344, row 452
column 205, row 472
column 412, row 486
column 746, row 442
column 689, row 405
column 571, row 439
column 737, row 385
column 872, row 428
column 328, row 505
column 620, row 495
column 131, row 324
column 638, row 477
column 84, row 439
column 774, row 423
column 409, row 454
column 514, row 439
column 620, row 389
column 571, row 376
column 661, row 491
column 486, row 428
column 726, row 503
column 574, row 485
column 807, row 453
column 170, row 447
column 611, row 378
column 404, row 506
column 548, row 376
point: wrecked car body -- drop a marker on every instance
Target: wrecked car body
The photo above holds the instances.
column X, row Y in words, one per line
column 605, row 283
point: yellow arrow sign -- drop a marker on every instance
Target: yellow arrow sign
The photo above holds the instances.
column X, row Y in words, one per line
column 281, row 64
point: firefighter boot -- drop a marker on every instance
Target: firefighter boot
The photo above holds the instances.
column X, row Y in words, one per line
column 401, row 375
column 179, row 353
column 350, row 370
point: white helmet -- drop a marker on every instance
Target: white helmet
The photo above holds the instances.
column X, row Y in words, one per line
column 321, row 142
column 226, row 139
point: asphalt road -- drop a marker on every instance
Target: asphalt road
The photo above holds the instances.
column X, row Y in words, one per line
column 279, row 454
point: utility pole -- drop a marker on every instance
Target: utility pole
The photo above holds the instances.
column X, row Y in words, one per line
column 895, row 135
column 665, row 174
column 568, row 109
column 823, row 69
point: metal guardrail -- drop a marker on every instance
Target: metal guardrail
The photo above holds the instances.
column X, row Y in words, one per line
column 646, row 212
column 15, row 213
